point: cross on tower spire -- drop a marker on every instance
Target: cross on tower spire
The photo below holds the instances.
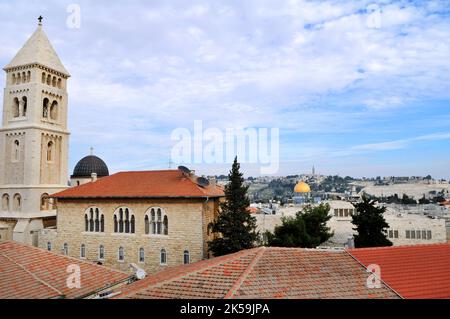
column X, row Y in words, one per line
column 40, row 20
column 92, row 150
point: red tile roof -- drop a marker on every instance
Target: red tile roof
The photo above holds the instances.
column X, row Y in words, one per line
column 262, row 273
column 142, row 184
column 420, row 271
column 32, row 273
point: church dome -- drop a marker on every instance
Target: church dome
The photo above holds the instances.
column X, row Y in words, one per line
column 88, row 165
column 302, row 187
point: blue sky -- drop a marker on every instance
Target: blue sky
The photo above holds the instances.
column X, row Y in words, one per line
column 349, row 96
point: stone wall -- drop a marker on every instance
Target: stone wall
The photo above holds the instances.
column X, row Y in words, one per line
column 187, row 219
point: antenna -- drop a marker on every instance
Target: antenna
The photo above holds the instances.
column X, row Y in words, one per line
column 186, row 171
column 202, row 182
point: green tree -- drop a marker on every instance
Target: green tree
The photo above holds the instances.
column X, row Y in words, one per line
column 370, row 225
column 307, row 229
column 235, row 227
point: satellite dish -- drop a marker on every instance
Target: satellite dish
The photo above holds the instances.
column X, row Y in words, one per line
column 184, row 170
column 203, row 182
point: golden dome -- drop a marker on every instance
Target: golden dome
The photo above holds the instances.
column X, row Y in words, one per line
column 302, row 187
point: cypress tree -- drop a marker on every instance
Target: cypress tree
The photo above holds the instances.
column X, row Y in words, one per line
column 235, row 227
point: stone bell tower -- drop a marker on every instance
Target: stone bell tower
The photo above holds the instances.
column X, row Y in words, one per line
column 33, row 139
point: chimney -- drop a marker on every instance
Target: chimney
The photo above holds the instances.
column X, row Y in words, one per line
column 212, row 180
column 93, row 177
column 350, row 242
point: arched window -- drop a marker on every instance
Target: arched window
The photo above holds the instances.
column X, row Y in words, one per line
column 121, row 254
column 18, row 79
column 65, row 249
column 24, row 77
column 16, row 151
column 13, row 79
column 59, row 83
column 49, row 79
column 86, row 223
column 50, row 151
column 83, row 251
column 45, row 103
column 49, row 246
column 101, row 252
column 43, row 77
column 54, row 110
column 54, row 81
column 5, row 202
column 15, row 108
column 102, row 224
column 17, row 203
column 28, row 76
column 186, row 257
column 157, row 221
column 147, row 225
column 45, row 199
column 141, row 255
column 163, row 257
column 124, row 221
column 94, row 220
column 23, row 106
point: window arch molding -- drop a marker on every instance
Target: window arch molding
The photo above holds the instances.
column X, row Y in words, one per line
column 156, row 221
column 124, row 220
column 94, row 220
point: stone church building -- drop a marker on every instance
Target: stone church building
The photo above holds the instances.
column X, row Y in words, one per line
column 33, row 140
column 151, row 219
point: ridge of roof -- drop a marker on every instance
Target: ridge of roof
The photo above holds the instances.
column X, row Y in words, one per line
column 245, row 274
column 171, row 275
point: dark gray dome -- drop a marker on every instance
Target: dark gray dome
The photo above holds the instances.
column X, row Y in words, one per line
column 88, row 165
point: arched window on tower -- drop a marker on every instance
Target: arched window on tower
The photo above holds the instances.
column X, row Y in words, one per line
column 24, row 77
column 45, row 202
column 54, row 110
column 65, row 249
column 49, row 79
column 18, row 79
column 16, row 151
column 15, row 107
column 5, row 202
column 13, row 79
column 45, row 103
column 54, row 81
column 43, row 77
column 59, row 84
column 23, row 106
column 17, row 203
column 28, row 76
column 50, row 151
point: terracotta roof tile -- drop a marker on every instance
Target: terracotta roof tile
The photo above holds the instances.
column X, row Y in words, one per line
column 418, row 272
column 167, row 183
column 32, row 273
column 262, row 273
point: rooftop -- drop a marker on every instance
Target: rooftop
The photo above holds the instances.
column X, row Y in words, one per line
column 419, row 271
column 38, row 50
column 142, row 184
column 32, row 273
column 262, row 273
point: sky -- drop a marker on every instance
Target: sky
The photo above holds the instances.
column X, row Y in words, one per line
column 358, row 88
